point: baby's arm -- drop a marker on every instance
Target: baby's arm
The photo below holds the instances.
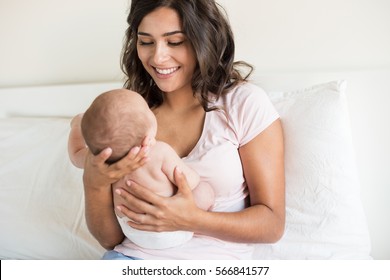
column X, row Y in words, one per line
column 77, row 148
column 202, row 191
column 171, row 160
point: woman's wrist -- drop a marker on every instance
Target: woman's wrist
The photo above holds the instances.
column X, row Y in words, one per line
column 197, row 221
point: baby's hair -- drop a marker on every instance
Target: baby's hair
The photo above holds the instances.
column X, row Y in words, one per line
column 112, row 121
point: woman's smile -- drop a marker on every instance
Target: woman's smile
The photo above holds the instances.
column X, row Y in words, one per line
column 165, row 51
column 165, row 72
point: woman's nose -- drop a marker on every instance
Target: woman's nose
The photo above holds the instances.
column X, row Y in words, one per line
column 161, row 54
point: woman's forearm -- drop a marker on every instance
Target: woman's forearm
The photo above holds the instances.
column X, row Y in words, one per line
column 98, row 178
column 256, row 224
column 100, row 216
column 259, row 223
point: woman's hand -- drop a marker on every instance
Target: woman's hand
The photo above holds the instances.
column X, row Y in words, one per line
column 151, row 212
column 98, row 173
column 99, row 205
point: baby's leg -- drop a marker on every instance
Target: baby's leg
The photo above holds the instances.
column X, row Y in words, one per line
column 204, row 195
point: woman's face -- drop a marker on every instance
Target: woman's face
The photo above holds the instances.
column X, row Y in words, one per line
column 165, row 51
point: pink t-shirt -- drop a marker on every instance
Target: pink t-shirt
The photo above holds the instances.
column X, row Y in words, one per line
column 246, row 111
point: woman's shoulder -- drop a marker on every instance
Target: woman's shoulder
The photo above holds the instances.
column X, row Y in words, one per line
column 248, row 86
column 249, row 111
column 244, row 93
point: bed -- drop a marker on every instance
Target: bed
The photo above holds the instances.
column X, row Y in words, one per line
column 41, row 194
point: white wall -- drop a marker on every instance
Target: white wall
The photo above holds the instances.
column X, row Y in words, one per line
column 311, row 34
column 55, row 42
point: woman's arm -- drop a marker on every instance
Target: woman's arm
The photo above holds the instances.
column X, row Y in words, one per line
column 263, row 165
column 99, row 207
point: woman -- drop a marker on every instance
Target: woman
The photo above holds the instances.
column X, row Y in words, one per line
column 179, row 57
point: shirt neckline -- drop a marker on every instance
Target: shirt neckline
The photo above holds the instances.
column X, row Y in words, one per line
column 202, row 136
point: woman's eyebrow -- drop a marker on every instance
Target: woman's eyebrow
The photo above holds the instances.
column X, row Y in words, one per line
column 140, row 33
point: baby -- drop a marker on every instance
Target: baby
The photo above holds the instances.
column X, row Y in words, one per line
column 121, row 119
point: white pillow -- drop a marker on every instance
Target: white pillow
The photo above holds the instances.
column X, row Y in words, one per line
column 324, row 213
column 41, row 193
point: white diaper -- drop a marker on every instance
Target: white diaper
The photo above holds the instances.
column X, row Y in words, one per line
column 154, row 240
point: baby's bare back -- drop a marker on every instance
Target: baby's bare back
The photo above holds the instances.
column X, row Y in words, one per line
column 150, row 175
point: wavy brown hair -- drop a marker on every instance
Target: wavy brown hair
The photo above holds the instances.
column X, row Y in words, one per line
column 207, row 28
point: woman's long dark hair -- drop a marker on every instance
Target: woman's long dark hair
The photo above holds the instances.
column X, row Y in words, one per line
column 210, row 34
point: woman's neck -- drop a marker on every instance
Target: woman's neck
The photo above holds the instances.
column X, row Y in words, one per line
column 180, row 101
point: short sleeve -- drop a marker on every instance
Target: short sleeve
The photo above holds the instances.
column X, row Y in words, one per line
column 251, row 112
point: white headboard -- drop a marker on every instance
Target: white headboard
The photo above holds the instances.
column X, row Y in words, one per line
column 60, row 100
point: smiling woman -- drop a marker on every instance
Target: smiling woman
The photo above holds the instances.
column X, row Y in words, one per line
column 213, row 119
column 75, row 46
column 165, row 52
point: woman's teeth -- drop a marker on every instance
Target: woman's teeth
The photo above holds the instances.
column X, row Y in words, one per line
column 166, row 71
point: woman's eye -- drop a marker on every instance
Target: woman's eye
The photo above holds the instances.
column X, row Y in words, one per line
column 143, row 43
column 175, row 43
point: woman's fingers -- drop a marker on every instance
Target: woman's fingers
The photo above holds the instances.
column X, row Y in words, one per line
column 141, row 205
column 144, row 194
column 134, row 159
column 143, row 221
column 152, row 212
column 145, row 226
column 102, row 156
column 137, row 198
column 138, row 153
column 136, row 218
column 132, row 202
column 181, row 181
column 95, row 169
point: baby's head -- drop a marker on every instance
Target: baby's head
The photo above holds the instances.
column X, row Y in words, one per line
column 119, row 119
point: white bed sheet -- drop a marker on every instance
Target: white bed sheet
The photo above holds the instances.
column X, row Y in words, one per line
column 42, row 203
